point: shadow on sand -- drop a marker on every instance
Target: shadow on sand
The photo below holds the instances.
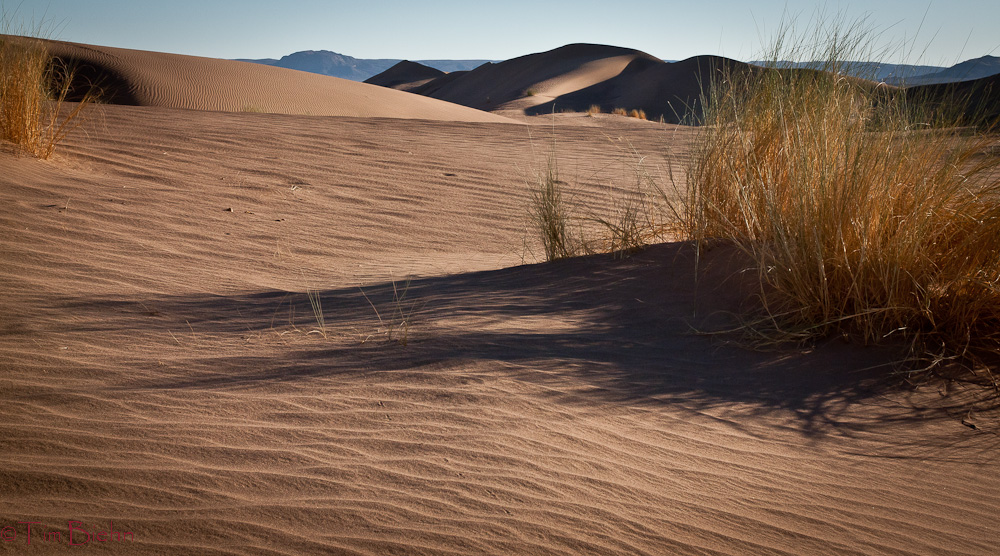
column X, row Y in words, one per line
column 622, row 331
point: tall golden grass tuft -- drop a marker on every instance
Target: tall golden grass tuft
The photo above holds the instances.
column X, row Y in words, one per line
column 861, row 216
column 33, row 93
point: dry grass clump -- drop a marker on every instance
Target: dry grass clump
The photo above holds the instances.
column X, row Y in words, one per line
column 861, row 217
column 635, row 222
column 550, row 215
column 638, row 215
column 634, row 113
column 594, row 109
column 396, row 325
column 33, row 91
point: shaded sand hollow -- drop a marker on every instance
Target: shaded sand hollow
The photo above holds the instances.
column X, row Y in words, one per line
column 163, row 372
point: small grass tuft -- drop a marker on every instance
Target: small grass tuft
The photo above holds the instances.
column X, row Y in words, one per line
column 550, row 215
column 317, row 308
column 639, row 214
column 640, row 114
column 395, row 328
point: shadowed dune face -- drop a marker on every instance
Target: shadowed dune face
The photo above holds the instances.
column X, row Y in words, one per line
column 671, row 91
column 978, row 101
column 164, row 369
column 533, row 79
column 405, row 76
column 175, row 81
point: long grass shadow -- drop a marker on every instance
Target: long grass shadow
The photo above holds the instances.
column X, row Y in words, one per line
column 630, row 331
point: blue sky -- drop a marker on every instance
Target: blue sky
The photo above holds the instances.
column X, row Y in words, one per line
column 934, row 33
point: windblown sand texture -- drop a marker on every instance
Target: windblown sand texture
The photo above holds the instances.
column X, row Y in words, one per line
column 162, row 368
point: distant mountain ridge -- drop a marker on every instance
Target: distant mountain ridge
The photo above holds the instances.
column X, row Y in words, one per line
column 325, row 62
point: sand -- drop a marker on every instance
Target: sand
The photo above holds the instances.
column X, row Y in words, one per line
column 163, row 373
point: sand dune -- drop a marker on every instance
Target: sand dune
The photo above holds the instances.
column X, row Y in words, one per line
column 671, row 91
column 144, row 78
column 534, row 79
column 405, row 75
column 578, row 76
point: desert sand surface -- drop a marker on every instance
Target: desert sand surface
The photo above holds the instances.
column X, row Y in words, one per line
column 164, row 373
